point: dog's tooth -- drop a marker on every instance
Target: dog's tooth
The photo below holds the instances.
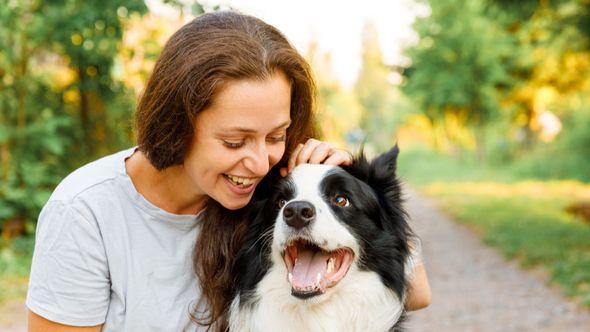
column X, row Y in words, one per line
column 290, row 277
column 318, row 278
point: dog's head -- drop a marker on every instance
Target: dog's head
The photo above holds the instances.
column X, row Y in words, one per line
column 323, row 222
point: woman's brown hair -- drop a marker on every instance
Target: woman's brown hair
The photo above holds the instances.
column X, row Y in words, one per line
column 197, row 60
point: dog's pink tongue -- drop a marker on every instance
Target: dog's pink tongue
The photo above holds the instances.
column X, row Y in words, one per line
column 307, row 267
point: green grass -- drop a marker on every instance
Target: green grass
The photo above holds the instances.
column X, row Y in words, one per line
column 15, row 263
column 525, row 219
column 421, row 166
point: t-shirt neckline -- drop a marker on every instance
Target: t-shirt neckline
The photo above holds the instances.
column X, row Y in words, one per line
column 179, row 220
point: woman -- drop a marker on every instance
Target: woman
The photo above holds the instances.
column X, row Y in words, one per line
column 227, row 110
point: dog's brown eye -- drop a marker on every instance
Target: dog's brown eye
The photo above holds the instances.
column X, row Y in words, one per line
column 281, row 203
column 340, row 200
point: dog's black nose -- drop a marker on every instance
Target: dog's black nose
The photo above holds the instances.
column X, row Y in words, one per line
column 298, row 214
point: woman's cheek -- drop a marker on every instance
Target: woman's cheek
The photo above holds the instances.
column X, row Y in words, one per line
column 277, row 155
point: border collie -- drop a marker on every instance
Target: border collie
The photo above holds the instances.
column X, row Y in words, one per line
column 327, row 252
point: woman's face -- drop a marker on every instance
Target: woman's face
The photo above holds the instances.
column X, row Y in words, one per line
column 239, row 138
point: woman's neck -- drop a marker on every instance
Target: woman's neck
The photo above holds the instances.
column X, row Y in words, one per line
column 167, row 189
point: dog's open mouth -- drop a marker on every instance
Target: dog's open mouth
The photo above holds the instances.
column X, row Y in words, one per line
column 312, row 270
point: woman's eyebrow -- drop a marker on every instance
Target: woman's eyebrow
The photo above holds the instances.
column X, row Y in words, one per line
column 251, row 131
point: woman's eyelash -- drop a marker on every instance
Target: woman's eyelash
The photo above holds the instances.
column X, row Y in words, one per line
column 281, row 138
column 233, row 145
column 237, row 145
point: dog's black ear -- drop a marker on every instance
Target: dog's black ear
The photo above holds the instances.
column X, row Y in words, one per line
column 381, row 168
column 389, row 191
column 385, row 164
column 384, row 181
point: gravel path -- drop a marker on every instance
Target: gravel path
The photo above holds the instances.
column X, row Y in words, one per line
column 475, row 290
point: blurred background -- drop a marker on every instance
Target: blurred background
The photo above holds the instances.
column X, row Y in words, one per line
column 489, row 101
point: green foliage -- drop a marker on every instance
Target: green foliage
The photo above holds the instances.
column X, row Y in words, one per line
column 573, row 13
column 493, row 67
column 15, row 257
column 29, row 182
column 460, row 63
column 566, row 158
column 59, row 104
column 88, row 33
column 383, row 106
column 15, row 264
column 420, row 165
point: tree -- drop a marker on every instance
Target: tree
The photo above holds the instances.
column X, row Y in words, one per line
column 56, row 59
column 88, row 35
column 338, row 108
column 376, row 94
column 459, row 68
column 553, row 40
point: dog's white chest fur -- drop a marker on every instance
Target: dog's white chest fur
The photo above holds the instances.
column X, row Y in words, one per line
column 359, row 303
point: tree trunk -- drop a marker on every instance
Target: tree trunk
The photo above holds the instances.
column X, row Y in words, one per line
column 84, row 112
column 84, row 107
column 13, row 227
column 100, row 121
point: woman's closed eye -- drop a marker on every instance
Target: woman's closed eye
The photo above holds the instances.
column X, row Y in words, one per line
column 277, row 139
column 236, row 144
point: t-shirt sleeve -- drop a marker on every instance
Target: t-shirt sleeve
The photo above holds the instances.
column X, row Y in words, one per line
column 69, row 281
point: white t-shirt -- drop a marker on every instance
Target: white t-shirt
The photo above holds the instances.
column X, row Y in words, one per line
column 105, row 255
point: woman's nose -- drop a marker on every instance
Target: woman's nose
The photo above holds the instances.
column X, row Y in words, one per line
column 258, row 160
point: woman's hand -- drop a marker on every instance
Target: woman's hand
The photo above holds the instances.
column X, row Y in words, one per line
column 317, row 152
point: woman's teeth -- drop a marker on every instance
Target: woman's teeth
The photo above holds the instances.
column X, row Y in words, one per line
column 239, row 181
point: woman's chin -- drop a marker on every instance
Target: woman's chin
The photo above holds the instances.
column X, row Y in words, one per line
column 235, row 203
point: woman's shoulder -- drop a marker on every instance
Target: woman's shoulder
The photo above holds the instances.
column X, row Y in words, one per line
column 90, row 175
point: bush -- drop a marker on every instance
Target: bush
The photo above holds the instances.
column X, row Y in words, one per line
column 566, row 158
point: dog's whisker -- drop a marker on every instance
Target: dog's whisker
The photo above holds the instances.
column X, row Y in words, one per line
column 263, row 238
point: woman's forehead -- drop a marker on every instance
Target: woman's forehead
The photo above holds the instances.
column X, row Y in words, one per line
column 274, row 90
column 244, row 105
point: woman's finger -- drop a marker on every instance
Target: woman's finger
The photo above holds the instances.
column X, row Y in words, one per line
column 293, row 158
column 284, row 171
column 339, row 157
column 306, row 151
column 315, row 152
column 321, row 153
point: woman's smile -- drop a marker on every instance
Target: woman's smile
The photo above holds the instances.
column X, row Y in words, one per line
column 241, row 185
